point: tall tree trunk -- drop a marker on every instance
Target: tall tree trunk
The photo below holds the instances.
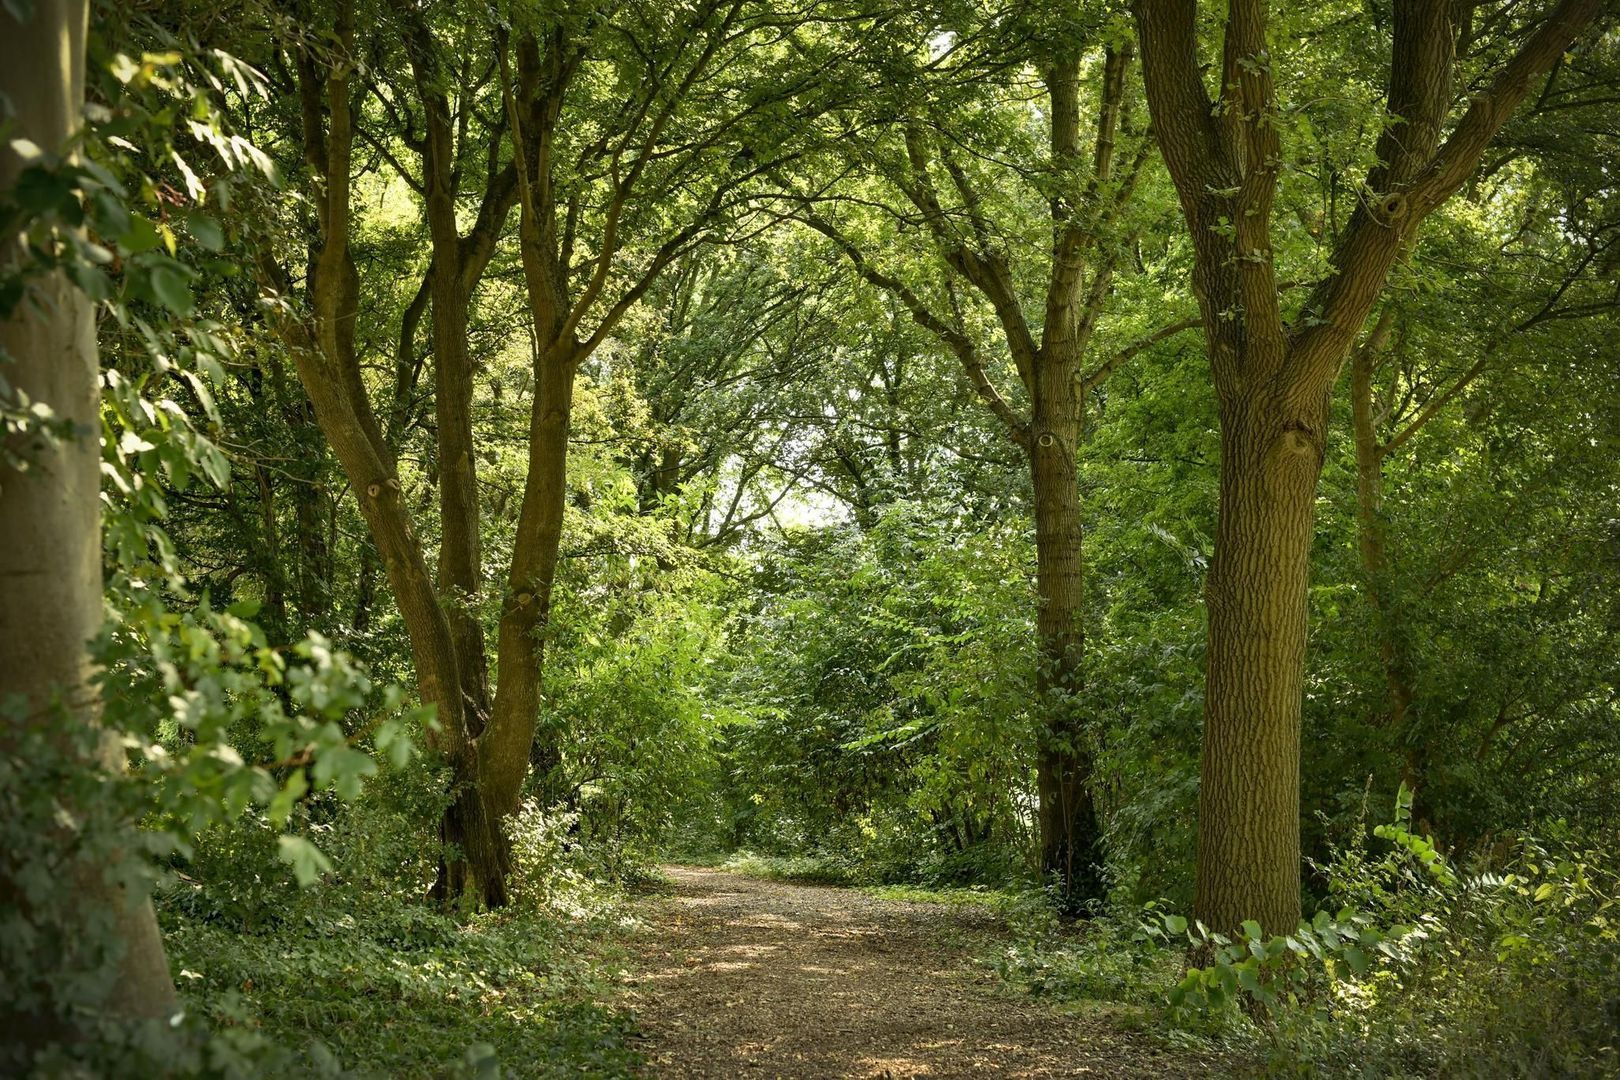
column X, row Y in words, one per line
column 50, row 549
column 1256, row 594
column 1273, row 376
column 516, row 741
column 1071, row 841
column 1071, row 838
column 1050, row 370
column 510, row 744
column 460, row 553
column 330, row 372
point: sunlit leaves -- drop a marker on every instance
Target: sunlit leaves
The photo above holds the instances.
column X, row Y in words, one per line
column 306, row 860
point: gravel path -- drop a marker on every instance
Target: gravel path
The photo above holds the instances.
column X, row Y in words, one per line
column 738, row 976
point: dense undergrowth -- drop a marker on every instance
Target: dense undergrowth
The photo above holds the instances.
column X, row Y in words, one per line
column 1510, row 971
column 358, row 974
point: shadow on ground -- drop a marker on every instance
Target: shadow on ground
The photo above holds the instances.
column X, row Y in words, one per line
column 744, row 977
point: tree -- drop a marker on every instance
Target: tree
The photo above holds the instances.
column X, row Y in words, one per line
column 931, row 154
column 328, row 367
column 50, row 554
column 1529, row 297
column 1274, row 374
column 694, row 120
column 662, row 172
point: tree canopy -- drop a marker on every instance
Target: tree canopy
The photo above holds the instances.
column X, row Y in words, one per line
column 1155, row 463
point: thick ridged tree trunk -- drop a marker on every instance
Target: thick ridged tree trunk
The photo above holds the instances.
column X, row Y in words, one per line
column 1248, row 868
column 1273, row 376
column 50, row 549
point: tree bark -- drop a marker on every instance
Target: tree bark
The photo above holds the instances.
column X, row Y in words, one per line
column 515, row 741
column 509, row 744
column 458, row 264
column 1071, row 841
column 1273, row 378
column 330, row 372
column 50, row 541
column 1256, row 593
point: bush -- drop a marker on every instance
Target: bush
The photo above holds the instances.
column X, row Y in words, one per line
column 357, row 974
column 1422, row 969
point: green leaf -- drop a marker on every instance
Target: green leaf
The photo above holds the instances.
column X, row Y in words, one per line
column 172, row 290
column 282, row 805
column 141, row 236
column 306, row 860
column 88, row 280
column 206, row 231
column 392, row 739
column 42, row 192
column 108, row 215
column 1403, row 804
column 244, row 609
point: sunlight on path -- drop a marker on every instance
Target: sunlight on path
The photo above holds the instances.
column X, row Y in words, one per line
column 743, row 977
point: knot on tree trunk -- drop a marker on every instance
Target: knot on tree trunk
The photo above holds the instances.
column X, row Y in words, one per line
column 1300, row 438
column 1390, row 208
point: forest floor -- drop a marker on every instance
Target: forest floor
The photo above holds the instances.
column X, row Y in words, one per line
column 739, row 976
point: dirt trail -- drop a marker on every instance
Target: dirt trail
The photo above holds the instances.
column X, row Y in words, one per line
column 743, row 977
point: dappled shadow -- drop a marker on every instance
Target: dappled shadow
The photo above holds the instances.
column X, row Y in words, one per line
column 744, row 977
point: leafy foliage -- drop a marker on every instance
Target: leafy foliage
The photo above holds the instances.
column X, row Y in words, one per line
column 792, row 624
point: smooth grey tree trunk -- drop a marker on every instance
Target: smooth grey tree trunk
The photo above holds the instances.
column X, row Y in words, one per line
column 50, row 536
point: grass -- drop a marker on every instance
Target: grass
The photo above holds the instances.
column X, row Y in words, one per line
column 361, row 975
column 410, row 992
